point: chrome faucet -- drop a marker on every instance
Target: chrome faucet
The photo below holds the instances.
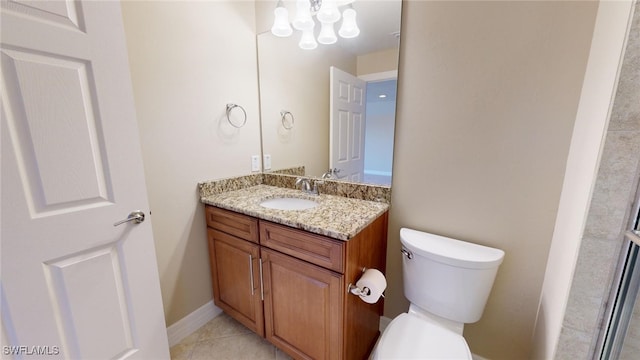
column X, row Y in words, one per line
column 305, row 185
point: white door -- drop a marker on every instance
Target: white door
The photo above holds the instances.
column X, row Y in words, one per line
column 73, row 286
column 347, row 125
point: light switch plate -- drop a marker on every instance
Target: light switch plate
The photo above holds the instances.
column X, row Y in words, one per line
column 255, row 163
column 267, row 162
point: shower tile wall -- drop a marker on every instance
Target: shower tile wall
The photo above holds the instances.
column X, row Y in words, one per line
column 608, row 216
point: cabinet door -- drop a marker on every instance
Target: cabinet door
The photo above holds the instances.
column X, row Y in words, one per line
column 303, row 307
column 236, row 278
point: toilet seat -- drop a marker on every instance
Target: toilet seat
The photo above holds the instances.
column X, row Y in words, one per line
column 411, row 337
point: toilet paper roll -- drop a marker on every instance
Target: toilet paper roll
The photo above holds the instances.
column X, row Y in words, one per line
column 373, row 280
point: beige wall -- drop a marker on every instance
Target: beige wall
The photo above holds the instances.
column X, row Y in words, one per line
column 188, row 59
column 488, row 93
column 593, row 113
column 297, row 80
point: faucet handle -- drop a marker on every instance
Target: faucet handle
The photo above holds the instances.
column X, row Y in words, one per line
column 315, row 190
column 305, row 184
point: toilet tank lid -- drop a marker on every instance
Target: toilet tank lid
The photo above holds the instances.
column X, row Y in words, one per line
column 451, row 251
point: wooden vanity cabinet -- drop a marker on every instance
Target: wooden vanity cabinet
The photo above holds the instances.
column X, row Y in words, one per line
column 306, row 310
column 235, row 264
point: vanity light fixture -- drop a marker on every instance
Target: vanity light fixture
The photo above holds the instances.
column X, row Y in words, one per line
column 327, row 35
column 349, row 28
column 281, row 27
column 327, row 13
column 307, row 40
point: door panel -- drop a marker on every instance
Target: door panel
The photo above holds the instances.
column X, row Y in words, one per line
column 65, row 13
column 48, row 88
column 347, row 125
column 74, row 291
column 72, row 283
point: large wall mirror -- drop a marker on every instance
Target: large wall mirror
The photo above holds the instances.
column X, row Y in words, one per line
column 331, row 109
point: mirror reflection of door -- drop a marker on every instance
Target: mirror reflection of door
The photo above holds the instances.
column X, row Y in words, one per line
column 362, row 121
column 346, row 125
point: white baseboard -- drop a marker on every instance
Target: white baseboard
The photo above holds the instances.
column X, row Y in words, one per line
column 192, row 322
column 377, row 172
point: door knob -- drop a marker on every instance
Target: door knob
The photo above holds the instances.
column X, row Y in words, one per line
column 336, row 171
column 136, row 216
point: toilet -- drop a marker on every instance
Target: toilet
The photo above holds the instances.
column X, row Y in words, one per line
column 448, row 283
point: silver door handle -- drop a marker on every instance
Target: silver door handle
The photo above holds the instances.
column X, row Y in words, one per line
column 261, row 284
column 336, row 171
column 136, row 216
column 251, row 272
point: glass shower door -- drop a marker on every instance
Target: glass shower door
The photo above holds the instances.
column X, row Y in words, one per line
column 622, row 340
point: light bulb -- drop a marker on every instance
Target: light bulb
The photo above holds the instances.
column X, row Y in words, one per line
column 307, row 41
column 281, row 27
column 303, row 18
column 328, row 12
column 349, row 28
column 327, row 34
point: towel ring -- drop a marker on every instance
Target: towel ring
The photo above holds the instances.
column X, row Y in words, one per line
column 284, row 114
column 244, row 113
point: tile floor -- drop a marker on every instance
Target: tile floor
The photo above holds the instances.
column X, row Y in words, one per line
column 224, row 338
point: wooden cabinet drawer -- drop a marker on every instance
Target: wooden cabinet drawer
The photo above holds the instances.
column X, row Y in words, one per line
column 242, row 226
column 316, row 249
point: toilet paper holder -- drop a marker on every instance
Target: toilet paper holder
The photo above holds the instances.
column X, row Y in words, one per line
column 357, row 291
column 364, row 291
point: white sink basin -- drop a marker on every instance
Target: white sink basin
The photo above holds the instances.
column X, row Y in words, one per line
column 286, row 203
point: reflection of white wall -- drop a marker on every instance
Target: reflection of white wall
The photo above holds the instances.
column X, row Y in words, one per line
column 378, row 146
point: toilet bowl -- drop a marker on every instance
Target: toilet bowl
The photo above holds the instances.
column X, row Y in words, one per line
column 410, row 337
column 447, row 282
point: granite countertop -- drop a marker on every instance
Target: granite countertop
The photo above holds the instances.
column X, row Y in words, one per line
column 337, row 217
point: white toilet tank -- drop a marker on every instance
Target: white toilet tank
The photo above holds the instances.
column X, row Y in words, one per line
column 447, row 277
